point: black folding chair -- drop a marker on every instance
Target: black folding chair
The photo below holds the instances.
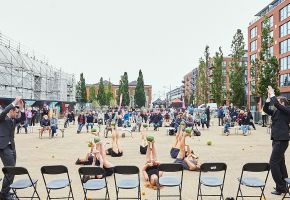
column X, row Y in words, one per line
column 57, row 184
column 170, row 181
column 94, row 183
column 253, row 182
column 212, row 181
column 288, row 187
column 22, row 183
column 128, row 183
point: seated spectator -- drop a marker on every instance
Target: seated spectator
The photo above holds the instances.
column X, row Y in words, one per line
column 23, row 124
column 81, row 121
column 227, row 123
column 45, row 124
column 53, row 125
column 189, row 121
column 245, row 122
column 90, row 121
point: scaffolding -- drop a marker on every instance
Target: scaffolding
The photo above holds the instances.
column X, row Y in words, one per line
column 22, row 74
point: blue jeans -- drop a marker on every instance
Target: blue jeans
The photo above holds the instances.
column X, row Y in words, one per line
column 80, row 127
column 226, row 127
column 53, row 130
column 245, row 129
column 91, row 124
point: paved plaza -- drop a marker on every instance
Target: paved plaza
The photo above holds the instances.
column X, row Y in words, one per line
column 235, row 150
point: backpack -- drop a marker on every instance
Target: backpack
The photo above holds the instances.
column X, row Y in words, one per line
column 196, row 132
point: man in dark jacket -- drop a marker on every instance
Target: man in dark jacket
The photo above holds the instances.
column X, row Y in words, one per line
column 280, row 139
column 81, row 121
column 221, row 116
column 207, row 112
column 8, row 120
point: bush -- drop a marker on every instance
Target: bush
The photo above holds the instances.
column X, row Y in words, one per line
column 188, row 131
column 145, row 125
column 209, row 143
column 182, row 123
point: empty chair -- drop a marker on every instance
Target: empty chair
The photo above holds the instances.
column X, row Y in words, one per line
column 57, row 184
column 94, row 183
column 288, row 187
column 21, row 183
column 253, row 182
column 212, row 181
column 170, row 181
column 132, row 182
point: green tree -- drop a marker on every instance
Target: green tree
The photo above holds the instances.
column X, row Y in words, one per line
column 109, row 94
column 101, row 93
column 237, row 72
column 218, row 78
column 265, row 69
column 120, row 90
column 92, row 94
column 125, row 92
column 206, row 79
column 81, row 92
column 140, row 97
column 200, row 93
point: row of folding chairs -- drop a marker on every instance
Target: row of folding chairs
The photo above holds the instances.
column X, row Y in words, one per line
column 128, row 177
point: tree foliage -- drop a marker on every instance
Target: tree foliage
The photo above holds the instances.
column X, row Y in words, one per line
column 237, row 71
column 206, row 79
column 92, row 94
column 265, row 69
column 140, row 97
column 101, row 93
column 81, row 92
column 199, row 96
column 124, row 90
column 218, row 78
column 109, row 94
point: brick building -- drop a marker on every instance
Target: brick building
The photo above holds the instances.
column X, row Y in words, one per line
column 278, row 12
column 132, row 87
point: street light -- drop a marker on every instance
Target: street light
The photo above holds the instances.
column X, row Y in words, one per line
column 167, row 101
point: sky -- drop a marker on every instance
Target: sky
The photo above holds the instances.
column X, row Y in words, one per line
column 105, row 38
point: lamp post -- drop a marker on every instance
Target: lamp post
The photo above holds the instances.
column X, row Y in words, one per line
column 168, row 100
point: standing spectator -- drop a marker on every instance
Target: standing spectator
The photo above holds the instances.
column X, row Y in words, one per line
column 220, row 116
column 53, row 125
column 207, row 112
column 33, row 119
column 29, row 116
column 81, row 121
column 251, row 120
column 264, row 118
column 203, row 119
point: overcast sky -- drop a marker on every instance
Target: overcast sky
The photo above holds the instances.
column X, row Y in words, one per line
column 164, row 38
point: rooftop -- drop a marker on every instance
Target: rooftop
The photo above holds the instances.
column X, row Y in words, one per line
column 269, row 7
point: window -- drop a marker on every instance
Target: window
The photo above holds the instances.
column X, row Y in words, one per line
column 285, row 63
column 253, row 57
column 285, row 29
column 253, row 32
column 284, row 46
column 271, row 51
column 271, row 21
column 254, row 45
column 285, row 80
column 285, row 12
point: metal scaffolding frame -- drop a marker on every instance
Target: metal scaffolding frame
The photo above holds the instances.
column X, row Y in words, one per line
column 21, row 74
